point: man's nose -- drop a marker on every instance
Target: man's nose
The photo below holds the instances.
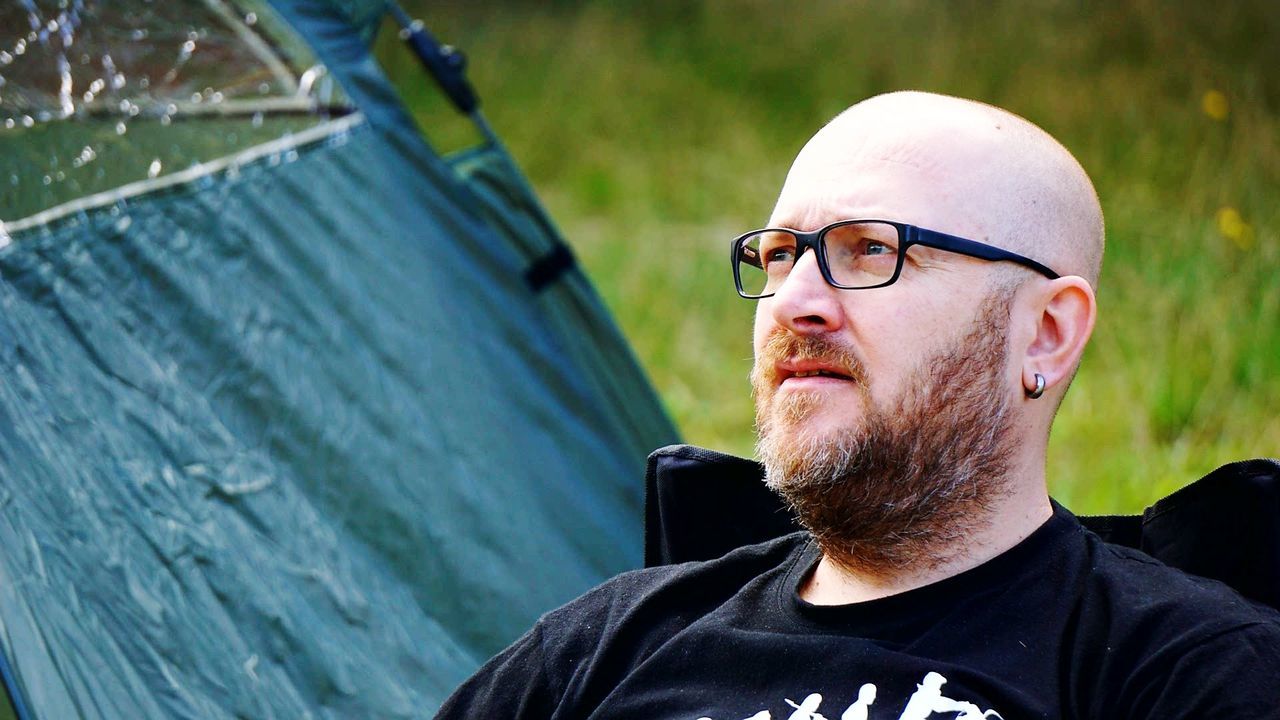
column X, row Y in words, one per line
column 805, row 304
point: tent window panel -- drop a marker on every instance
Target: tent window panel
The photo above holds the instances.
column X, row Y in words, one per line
column 97, row 95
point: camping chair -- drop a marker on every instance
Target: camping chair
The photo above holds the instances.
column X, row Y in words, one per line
column 700, row 504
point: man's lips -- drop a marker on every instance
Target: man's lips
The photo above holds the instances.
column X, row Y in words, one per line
column 810, row 370
column 804, row 362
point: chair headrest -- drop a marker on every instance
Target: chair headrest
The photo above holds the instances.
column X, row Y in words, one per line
column 700, row 504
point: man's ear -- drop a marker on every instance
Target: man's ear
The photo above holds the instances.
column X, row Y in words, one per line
column 1066, row 310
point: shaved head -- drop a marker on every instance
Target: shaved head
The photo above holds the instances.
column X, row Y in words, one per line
column 994, row 176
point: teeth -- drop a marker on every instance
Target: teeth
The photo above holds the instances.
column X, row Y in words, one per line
column 811, row 373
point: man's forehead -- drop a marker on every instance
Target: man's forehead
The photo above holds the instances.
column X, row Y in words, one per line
column 917, row 178
column 946, row 163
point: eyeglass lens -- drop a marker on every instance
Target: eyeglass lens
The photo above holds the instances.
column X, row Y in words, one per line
column 857, row 255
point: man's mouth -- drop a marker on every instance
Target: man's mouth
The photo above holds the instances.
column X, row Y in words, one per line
column 820, row 373
column 798, row 371
column 804, row 363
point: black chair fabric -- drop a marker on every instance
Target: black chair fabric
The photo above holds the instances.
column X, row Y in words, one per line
column 700, row 504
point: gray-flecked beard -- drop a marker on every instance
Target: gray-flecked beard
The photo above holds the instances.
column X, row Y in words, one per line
column 902, row 489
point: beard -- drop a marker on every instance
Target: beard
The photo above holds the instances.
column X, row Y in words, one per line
column 901, row 490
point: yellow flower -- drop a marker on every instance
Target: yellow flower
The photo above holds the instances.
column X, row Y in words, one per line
column 1234, row 228
column 1215, row 105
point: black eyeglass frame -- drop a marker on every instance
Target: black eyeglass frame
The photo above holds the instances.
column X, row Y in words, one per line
column 908, row 235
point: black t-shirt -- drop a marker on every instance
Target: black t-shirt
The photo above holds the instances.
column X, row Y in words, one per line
column 1062, row 625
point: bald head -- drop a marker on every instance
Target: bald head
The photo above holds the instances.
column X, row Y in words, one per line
column 952, row 165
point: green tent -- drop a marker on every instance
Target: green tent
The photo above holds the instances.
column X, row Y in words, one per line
column 297, row 417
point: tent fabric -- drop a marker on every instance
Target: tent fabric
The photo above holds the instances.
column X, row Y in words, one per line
column 295, row 438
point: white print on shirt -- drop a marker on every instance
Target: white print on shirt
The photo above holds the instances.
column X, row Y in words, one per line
column 923, row 703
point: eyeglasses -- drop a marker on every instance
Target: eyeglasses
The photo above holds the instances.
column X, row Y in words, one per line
column 852, row 254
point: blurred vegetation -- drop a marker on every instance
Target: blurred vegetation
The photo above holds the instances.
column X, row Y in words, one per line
column 655, row 131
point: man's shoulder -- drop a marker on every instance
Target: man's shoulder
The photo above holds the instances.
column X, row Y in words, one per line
column 681, row 591
column 1142, row 605
column 1147, row 638
column 1125, row 576
column 728, row 572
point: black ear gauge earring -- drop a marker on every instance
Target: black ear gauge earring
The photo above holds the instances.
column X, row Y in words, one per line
column 1039, row 389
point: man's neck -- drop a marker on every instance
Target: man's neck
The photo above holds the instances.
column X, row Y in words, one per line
column 1008, row 523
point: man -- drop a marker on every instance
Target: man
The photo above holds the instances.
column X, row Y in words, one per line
column 925, row 294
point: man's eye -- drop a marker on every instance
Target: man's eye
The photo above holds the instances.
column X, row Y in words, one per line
column 784, row 255
column 873, row 247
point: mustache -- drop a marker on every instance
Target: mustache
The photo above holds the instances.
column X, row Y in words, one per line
column 783, row 346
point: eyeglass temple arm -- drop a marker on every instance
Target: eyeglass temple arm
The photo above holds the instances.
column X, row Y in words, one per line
column 943, row 241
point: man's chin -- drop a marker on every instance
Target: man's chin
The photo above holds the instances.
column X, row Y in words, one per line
column 811, row 415
column 797, row 449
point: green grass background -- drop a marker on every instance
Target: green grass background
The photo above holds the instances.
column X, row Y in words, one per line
column 655, row 131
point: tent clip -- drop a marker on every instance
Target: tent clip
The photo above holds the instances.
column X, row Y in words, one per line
column 548, row 268
column 445, row 63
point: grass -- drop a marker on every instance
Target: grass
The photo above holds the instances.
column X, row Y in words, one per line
column 655, row 131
